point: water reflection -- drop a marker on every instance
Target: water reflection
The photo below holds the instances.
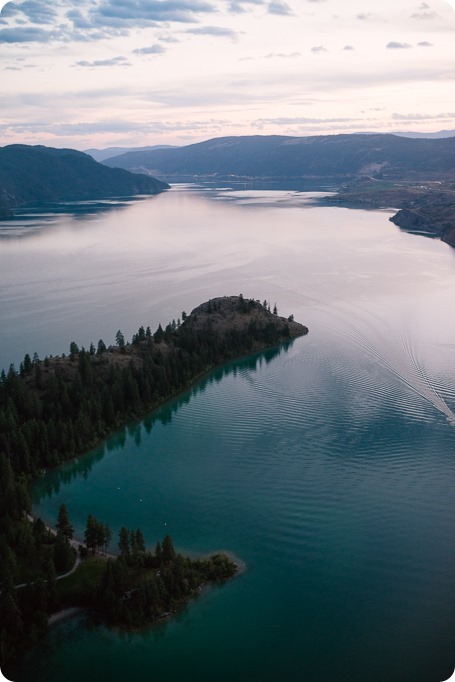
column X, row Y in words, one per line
column 40, row 219
column 82, row 466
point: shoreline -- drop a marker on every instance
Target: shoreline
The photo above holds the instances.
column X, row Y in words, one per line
column 64, row 614
column 154, row 407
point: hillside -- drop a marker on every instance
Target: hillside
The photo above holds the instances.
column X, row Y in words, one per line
column 425, row 209
column 37, row 174
column 109, row 152
column 335, row 158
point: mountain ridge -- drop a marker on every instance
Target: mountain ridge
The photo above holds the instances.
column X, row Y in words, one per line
column 39, row 174
column 339, row 158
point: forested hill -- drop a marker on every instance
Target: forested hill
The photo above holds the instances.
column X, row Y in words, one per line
column 53, row 409
column 330, row 157
column 37, row 174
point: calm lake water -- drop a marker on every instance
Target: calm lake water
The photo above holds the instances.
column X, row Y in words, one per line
column 327, row 466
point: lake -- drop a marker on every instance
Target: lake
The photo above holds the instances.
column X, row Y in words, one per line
column 325, row 466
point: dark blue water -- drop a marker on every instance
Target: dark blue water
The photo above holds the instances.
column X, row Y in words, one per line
column 327, row 467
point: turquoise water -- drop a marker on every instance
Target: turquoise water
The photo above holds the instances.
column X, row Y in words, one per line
column 326, row 467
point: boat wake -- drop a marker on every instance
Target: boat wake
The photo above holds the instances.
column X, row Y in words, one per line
column 392, row 350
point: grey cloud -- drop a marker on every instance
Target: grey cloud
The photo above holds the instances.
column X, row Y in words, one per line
column 299, row 120
column 348, row 48
column 282, row 55
column 424, row 43
column 133, row 13
column 115, row 61
column 424, row 16
column 394, row 45
column 280, row 8
column 217, row 31
column 36, row 12
column 423, row 117
column 28, row 34
column 238, row 6
column 79, row 20
column 168, row 39
column 153, row 49
column 318, row 48
column 125, row 127
column 93, row 20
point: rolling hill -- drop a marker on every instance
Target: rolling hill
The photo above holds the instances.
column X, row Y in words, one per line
column 334, row 158
column 37, row 174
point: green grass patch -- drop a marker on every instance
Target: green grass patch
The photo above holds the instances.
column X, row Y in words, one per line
column 78, row 588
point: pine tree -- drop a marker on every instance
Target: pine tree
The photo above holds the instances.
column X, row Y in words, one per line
column 91, row 534
column 101, row 347
column 63, row 524
column 124, row 542
column 168, row 549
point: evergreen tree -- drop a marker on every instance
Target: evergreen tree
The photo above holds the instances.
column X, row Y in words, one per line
column 27, row 364
column 124, row 542
column 168, row 551
column 74, row 350
column 91, row 534
column 139, row 540
column 101, row 347
column 63, row 524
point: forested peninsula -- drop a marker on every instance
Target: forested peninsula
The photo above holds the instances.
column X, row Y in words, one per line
column 54, row 409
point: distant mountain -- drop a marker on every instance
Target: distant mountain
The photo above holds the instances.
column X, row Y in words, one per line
column 430, row 136
column 37, row 174
column 337, row 158
column 111, row 152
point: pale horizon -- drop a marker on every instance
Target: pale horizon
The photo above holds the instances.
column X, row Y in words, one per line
column 173, row 72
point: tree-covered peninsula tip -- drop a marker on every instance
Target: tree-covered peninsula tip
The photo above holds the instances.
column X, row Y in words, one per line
column 55, row 408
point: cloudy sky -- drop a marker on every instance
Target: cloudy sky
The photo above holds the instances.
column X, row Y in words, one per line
column 97, row 73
